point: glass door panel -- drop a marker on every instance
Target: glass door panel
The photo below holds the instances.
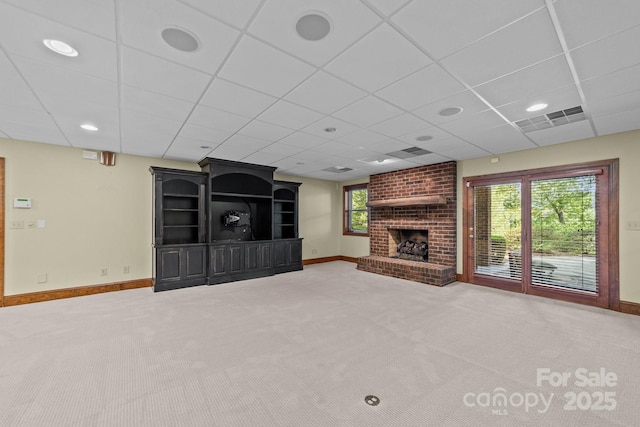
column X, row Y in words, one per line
column 564, row 246
column 497, row 225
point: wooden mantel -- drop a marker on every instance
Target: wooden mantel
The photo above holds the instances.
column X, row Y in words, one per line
column 409, row 201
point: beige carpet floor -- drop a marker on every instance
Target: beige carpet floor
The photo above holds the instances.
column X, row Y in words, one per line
column 306, row 348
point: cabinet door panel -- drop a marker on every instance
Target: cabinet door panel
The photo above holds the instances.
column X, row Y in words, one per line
column 196, row 261
column 169, row 265
column 219, row 260
column 236, row 256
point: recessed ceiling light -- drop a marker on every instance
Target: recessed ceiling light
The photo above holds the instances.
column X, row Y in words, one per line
column 60, row 47
column 299, row 163
column 537, row 107
column 424, row 138
column 313, row 26
column 205, row 147
column 329, row 130
column 180, row 39
column 450, row 111
column 89, row 127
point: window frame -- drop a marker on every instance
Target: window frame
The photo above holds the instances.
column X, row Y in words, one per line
column 347, row 191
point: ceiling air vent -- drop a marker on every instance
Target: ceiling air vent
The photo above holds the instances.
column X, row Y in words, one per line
column 550, row 120
column 337, row 169
column 409, row 152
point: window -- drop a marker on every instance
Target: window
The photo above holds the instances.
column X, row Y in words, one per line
column 356, row 214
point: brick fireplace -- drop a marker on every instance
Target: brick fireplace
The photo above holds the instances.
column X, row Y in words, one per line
column 417, row 204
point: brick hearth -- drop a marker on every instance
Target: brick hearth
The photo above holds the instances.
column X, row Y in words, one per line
column 434, row 189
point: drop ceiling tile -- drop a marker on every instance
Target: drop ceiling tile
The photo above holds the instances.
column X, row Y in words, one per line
column 282, row 149
column 13, row 87
column 484, row 120
column 93, row 16
column 262, row 158
column 162, row 106
column 238, row 147
column 446, row 27
column 187, row 149
column 147, row 135
column 367, row 111
column 30, row 125
column 453, row 148
column 435, row 132
column 614, row 123
column 617, row 83
column 505, row 51
column 237, row 99
column 361, row 138
column 342, row 128
column 608, row 55
column 626, row 102
column 429, row 159
column 422, row 87
column 22, row 34
column 528, row 82
column 205, row 135
column 501, row 139
column 263, row 130
column 583, row 22
column 387, row 146
column 164, row 77
column 217, row 119
column 556, row 100
column 400, row 125
column 319, row 159
column 467, row 100
column 388, row 7
column 349, row 20
column 236, row 13
column 564, row 133
column 70, row 115
column 290, row 115
column 379, row 59
column 55, row 85
column 336, row 148
column 287, row 163
column 325, row 93
column 302, row 140
column 214, row 38
column 261, row 67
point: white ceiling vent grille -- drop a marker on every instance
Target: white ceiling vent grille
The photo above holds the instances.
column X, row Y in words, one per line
column 557, row 118
column 337, row 169
column 409, row 152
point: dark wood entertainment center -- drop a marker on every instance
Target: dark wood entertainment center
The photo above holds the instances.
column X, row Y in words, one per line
column 232, row 221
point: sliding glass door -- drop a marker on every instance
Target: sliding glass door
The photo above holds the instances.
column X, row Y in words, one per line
column 544, row 232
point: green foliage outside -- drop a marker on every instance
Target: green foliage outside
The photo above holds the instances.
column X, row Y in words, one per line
column 359, row 214
column 562, row 215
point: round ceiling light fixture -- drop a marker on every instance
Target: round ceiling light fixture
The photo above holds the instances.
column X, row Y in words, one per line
column 90, row 127
column 180, row 39
column 424, row 138
column 205, row 147
column 537, row 107
column 313, row 26
column 450, row 111
column 60, row 47
column 329, row 130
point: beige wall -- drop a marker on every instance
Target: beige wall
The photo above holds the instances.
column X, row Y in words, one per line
column 625, row 146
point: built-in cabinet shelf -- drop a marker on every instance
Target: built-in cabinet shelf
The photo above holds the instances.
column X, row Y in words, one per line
column 230, row 222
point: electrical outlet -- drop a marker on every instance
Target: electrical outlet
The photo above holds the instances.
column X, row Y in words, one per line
column 16, row 224
column 314, row 251
column 125, row 269
column 42, row 278
column 103, row 271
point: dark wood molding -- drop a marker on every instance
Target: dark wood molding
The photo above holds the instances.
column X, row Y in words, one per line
column 2, row 183
column 409, row 201
column 460, row 278
column 54, row 294
column 329, row 259
column 629, row 307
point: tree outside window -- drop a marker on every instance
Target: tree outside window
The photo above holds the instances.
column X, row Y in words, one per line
column 356, row 213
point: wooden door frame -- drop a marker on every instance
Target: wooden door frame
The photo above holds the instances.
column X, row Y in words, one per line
column 608, row 249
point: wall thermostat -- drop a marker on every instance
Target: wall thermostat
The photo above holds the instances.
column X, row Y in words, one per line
column 22, row 203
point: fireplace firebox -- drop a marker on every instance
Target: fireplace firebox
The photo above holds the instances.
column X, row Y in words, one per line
column 411, row 245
